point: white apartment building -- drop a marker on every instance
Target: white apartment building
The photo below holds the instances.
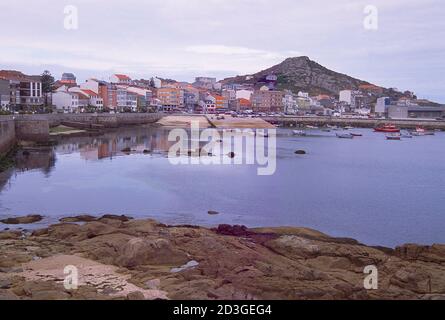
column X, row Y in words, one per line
column 66, row 101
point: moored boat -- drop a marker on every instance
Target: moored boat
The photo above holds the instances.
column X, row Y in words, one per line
column 406, row 134
column 298, row 132
column 387, row 128
column 344, row 135
column 393, row 136
column 356, row 134
column 422, row 132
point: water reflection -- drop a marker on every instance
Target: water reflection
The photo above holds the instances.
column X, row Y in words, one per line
column 113, row 143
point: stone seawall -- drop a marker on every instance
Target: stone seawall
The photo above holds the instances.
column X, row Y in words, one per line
column 7, row 134
column 36, row 127
column 33, row 129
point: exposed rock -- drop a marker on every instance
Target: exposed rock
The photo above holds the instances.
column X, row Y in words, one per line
column 7, row 295
column 79, row 218
column 122, row 218
column 118, row 257
column 5, row 283
column 32, row 218
column 140, row 251
column 136, row 295
column 434, row 253
column 153, row 284
column 10, row 235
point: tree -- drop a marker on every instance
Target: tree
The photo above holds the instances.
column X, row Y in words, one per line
column 47, row 85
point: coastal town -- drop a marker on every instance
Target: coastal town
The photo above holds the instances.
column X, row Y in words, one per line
column 30, row 94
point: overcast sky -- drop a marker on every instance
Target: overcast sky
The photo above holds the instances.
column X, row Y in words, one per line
column 182, row 39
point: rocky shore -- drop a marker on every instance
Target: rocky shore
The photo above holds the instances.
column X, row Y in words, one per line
column 121, row 258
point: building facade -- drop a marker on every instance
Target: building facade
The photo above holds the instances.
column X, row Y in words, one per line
column 171, row 98
column 267, row 101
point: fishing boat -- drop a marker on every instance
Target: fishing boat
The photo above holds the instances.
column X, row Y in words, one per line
column 298, row 132
column 422, row 132
column 393, row 136
column 387, row 128
column 344, row 135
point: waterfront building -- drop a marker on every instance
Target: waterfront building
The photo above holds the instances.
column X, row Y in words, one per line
column 191, row 99
column 381, row 106
column 208, row 104
column 95, row 100
column 66, row 101
column 171, row 98
column 24, row 90
column 221, row 103
column 289, row 103
column 353, row 98
column 265, row 100
column 230, row 97
column 413, row 111
column 144, row 97
column 243, row 105
column 87, row 98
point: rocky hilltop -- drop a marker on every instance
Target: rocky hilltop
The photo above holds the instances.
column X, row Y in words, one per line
column 303, row 74
column 122, row 258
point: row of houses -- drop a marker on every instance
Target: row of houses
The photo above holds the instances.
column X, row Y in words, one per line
column 205, row 95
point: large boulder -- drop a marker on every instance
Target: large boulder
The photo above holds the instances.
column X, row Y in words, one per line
column 23, row 220
column 139, row 251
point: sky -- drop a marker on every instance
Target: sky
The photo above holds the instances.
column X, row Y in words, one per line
column 182, row 39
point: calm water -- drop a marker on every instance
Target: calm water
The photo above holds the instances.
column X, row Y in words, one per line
column 379, row 192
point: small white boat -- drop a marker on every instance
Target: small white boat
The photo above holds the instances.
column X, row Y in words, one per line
column 356, row 134
column 299, row 132
column 344, row 135
column 311, row 127
column 348, row 128
column 406, row 135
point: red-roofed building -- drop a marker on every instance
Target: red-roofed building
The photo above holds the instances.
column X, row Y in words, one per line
column 120, row 79
column 243, row 104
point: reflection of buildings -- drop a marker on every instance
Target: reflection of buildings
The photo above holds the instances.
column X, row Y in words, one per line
column 112, row 144
column 41, row 158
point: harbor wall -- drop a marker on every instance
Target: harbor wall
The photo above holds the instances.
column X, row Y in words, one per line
column 7, row 134
column 295, row 121
column 36, row 127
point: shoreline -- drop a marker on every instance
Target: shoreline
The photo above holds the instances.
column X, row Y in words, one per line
column 151, row 260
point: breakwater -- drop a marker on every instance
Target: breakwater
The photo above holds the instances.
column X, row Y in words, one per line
column 288, row 121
